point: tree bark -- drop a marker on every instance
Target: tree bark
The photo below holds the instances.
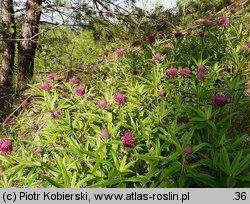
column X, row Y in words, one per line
column 27, row 47
column 8, row 43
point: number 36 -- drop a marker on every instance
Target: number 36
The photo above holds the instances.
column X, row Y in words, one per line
column 240, row 196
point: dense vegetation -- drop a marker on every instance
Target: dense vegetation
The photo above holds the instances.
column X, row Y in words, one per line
column 162, row 110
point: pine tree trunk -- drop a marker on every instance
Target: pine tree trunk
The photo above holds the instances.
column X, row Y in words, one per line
column 8, row 43
column 27, row 47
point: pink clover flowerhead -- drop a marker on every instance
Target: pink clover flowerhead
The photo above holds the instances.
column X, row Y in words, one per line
column 223, row 21
column 128, row 140
column 188, row 149
column 5, row 146
column 185, row 73
column 119, row 98
column 38, row 150
column 119, row 53
column 45, row 86
column 51, row 76
column 103, row 104
column 178, row 34
column 157, row 58
column 201, row 72
column 105, row 133
column 80, row 90
column 220, row 100
column 8, row 121
column 150, row 38
column 171, row 72
column 74, row 80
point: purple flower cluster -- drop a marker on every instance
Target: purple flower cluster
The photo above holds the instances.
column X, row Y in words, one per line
column 188, row 149
column 157, row 58
column 51, row 76
column 184, row 73
column 24, row 104
column 45, row 86
column 206, row 22
column 128, row 140
column 164, row 52
column 8, row 121
column 74, row 80
column 135, row 71
column 80, row 90
column 201, row 72
column 105, row 133
column 162, row 93
column 119, row 53
column 150, row 38
column 173, row 72
column 223, row 21
column 178, row 34
column 5, row 146
column 57, row 113
column 38, row 150
column 233, row 11
column 119, row 98
column 220, row 100
column 103, row 104
column 247, row 46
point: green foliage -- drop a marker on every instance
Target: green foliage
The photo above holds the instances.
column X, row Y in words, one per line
column 164, row 128
column 193, row 9
column 65, row 49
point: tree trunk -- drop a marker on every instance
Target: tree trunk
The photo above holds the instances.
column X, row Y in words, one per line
column 8, row 43
column 27, row 46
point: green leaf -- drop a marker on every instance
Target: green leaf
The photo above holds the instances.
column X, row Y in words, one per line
column 65, row 174
column 115, row 159
column 196, row 148
column 204, row 178
column 170, row 171
column 244, row 164
column 235, row 164
column 15, row 169
column 80, row 152
column 106, row 183
column 10, row 30
column 145, row 80
column 73, row 180
column 49, row 167
column 102, row 161
column 83, row 182
column 225, row 162
column 150, row 158
column 128, row 165
column 137, row 179
column 123, row 162
column 54, row 183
